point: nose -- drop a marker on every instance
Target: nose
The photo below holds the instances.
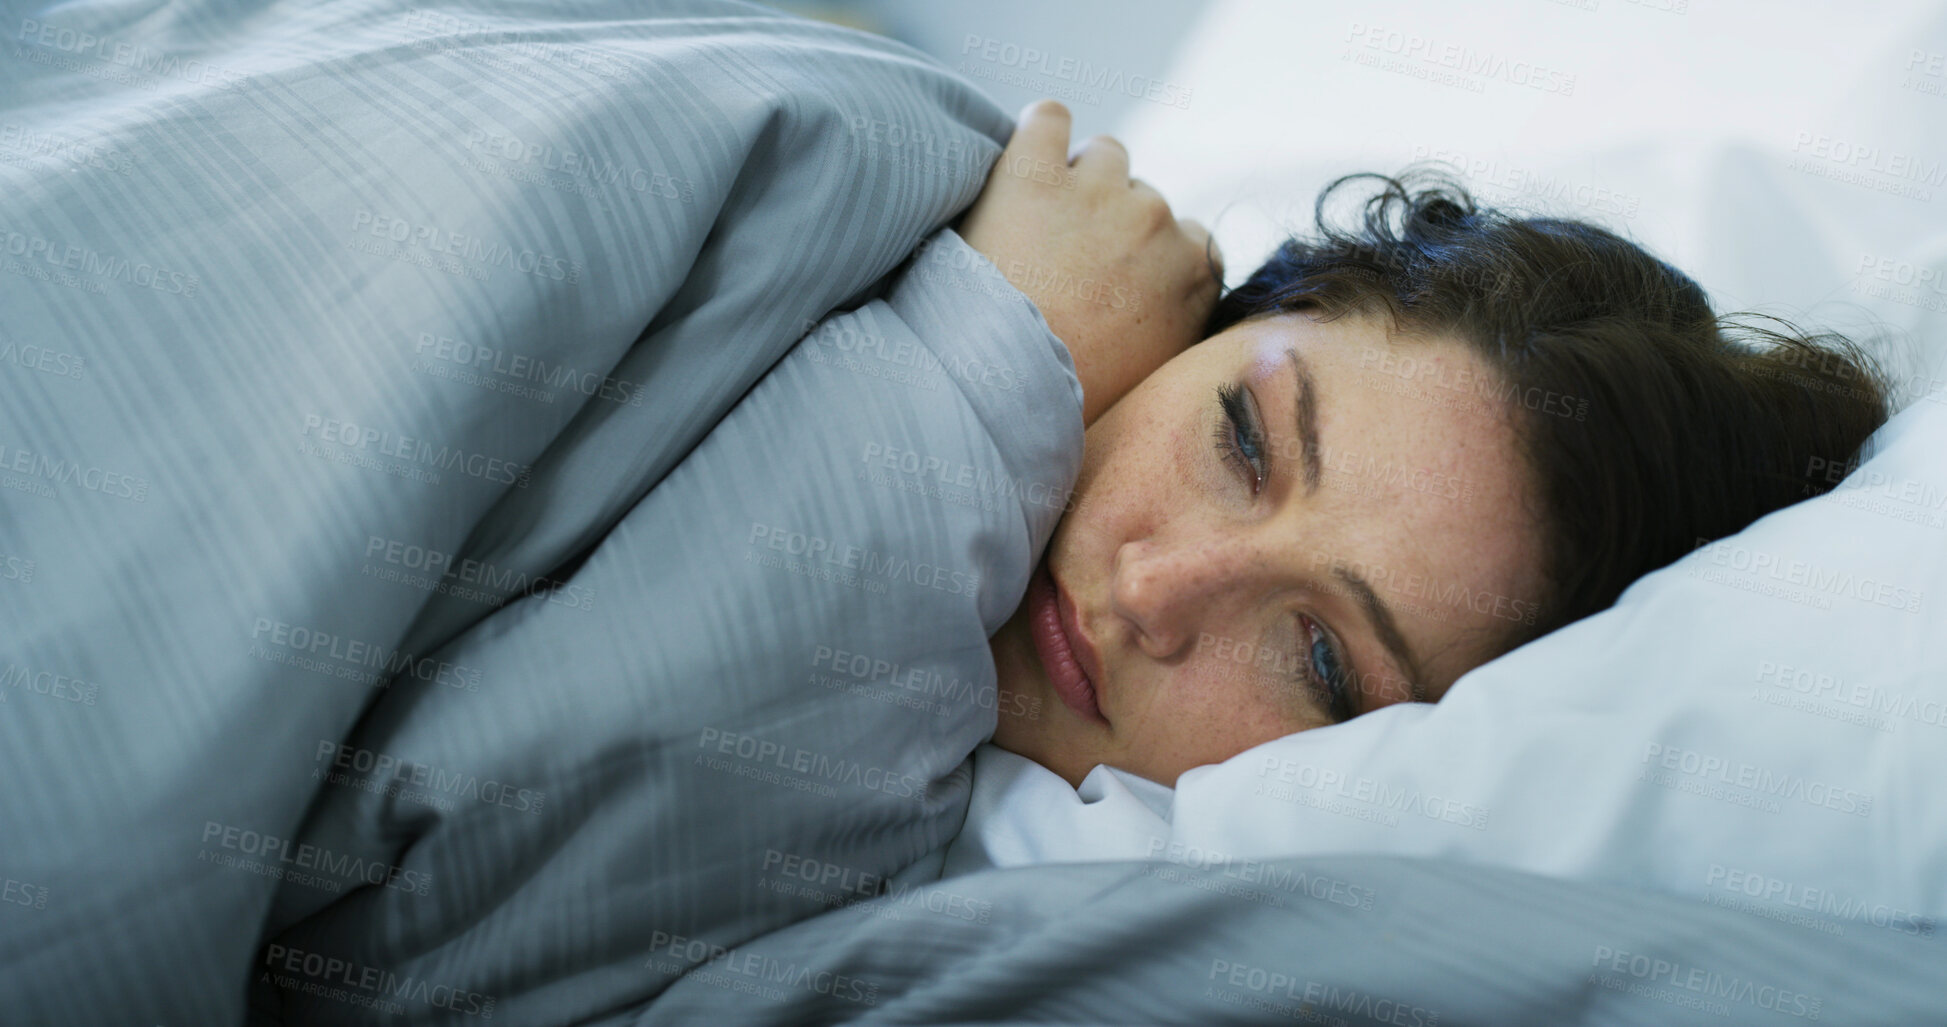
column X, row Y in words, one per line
column 1170, row 590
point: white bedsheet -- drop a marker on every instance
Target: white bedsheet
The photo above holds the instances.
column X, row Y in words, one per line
column 1022, row 813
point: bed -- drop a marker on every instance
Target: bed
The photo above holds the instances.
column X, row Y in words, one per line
column 484, row 539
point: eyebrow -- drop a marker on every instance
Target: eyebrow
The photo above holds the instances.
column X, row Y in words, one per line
column 1375, row 608
column 1384, row 625
column 1307, row 419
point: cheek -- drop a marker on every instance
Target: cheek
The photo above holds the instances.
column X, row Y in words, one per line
column 1156, row 450
column 1132, row 470
column 1219, row 708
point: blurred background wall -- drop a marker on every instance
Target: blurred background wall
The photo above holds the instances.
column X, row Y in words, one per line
column 1791, row 155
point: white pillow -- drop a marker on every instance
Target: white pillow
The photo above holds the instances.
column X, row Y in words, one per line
column 1762, row 723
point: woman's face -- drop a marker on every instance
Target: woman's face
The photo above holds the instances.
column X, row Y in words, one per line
column 1361, row 537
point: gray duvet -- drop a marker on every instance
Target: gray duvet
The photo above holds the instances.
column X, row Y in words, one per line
column 501, row 510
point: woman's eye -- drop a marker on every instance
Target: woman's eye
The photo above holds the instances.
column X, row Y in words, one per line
column 1320, row 668
column 1238, row 437
column 1324, row 671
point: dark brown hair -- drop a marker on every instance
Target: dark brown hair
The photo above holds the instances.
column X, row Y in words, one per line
column 1672, row 426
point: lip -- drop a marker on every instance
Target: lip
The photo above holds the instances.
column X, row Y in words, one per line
column 1070, row 660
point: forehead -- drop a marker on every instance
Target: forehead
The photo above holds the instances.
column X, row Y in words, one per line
column 1424, row 492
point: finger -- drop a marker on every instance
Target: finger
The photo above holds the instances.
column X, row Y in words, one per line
column 1194, row 231
column 1041, row 133
column 1152, row 204
column 1204, row 242
column 1103, row 159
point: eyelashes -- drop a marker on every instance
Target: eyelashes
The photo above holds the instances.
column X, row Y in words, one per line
column 1321, row 666
column 1238, row 437
column 1328, row 672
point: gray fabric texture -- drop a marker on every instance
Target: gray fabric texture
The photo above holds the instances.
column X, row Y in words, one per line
column 379, row 314
column 1412, row 942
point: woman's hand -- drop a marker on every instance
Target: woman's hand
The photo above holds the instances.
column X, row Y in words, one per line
column 1119, row 279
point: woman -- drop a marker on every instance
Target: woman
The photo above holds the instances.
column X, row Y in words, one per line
column 1403, row 449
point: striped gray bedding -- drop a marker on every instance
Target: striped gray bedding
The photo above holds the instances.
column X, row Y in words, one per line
column 331, row 327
